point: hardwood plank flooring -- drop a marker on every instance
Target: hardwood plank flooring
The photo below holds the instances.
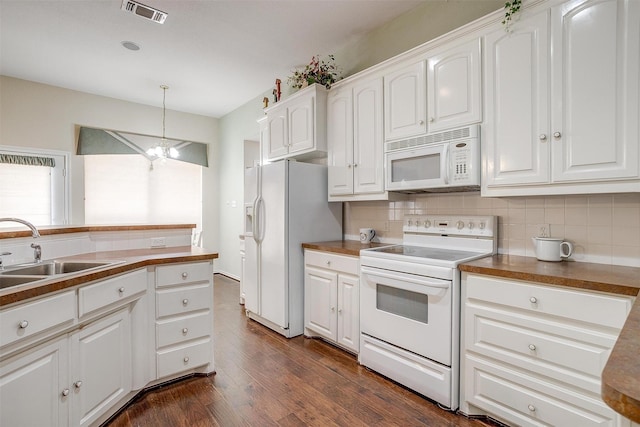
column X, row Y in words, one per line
column 264, row 379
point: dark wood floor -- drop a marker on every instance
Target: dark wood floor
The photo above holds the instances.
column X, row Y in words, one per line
column 263, row 379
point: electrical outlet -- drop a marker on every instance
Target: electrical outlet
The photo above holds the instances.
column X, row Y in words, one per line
column 158, row 242
column 544, row 230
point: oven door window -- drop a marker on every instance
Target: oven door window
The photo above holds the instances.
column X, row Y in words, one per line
column 403, row 303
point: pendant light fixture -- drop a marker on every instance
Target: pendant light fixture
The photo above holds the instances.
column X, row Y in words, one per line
column 163, row 150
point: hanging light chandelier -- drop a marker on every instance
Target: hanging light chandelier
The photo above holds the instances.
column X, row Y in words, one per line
column 163, row 150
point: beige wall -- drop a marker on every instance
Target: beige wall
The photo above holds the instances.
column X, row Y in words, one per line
column 604, row 228
column 42, row 116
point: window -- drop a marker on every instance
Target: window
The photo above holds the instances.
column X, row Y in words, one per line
column 126, row 189
column 33, row 186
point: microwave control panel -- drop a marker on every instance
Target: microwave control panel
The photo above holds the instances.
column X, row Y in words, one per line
column 463, row 159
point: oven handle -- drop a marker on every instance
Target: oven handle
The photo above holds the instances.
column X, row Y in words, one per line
column 404, row 277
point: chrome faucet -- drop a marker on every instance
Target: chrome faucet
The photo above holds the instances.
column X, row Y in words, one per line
column 37, row 250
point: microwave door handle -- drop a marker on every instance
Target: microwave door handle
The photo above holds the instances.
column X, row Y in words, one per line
column 447, row 165
column 403, row 277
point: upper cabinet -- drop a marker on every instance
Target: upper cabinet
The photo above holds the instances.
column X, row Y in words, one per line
column 562, row 101
column 405, row 102
column 454, row 86
column 296, row 126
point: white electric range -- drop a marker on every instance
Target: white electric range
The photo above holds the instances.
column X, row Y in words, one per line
column 410, row 301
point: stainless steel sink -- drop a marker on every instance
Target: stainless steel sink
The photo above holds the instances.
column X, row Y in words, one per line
column 8, row 281
column 50, row 268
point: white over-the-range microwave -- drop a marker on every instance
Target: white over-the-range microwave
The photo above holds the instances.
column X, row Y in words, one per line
column 440, row 162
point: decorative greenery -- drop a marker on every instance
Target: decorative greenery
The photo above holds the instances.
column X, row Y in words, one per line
column 324, row 72
column 510, row 9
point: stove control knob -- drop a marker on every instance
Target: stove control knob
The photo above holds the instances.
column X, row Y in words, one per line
column 482, row 225
column 460, row 225
column 427, row 224
column 471, row 225
column 409, row 223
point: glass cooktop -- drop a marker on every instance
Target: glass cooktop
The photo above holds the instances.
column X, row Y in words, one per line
column 427, row 253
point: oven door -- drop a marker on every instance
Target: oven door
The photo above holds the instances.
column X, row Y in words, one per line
column 409, row 311
column 418, row 168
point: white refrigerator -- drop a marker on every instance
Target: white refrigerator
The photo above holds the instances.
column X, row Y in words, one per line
column 286, row 205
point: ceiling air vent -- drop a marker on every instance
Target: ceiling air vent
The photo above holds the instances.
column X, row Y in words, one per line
column 145, row 11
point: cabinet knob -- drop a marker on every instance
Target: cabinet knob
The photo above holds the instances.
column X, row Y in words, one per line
column 349, row 166
column 185, row 301
column 77, row 384
column 533, row 300
column 421, row 122
column 355, row 165
column 333, row 309
column 340, row 310
column 531, row 408
column 185, row 275
column 542, row 137
column 532, row 347
column 328, row 263
column 23, row 324
column 557, row 134
column 65, row 392
column 431, row 120
column 185, row 330
column 186, row 359
column 121, row 290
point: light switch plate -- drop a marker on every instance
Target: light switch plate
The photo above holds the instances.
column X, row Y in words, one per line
column 158, row 242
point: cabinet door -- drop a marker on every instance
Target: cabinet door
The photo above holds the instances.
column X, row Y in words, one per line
column 320, row 301
column 348, row 312
column 368, row 150
column 595, row 90
column 515, row 144
column 277, row 136
column 101, row 367
column 340, row 141
column 405, row 102
column 301, row 124
column 32, row 385
column 453, row 87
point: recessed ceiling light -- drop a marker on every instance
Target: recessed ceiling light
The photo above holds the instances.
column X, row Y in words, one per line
column 130, row 45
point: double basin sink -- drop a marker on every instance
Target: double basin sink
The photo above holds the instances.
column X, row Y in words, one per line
column 28, row 273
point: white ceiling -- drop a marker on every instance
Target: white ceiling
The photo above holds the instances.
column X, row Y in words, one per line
column 214, row 55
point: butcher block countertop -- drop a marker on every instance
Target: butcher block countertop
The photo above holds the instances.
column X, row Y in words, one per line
column 49, row 230
column 344, row 247
column 126, row 260
column 621, row 375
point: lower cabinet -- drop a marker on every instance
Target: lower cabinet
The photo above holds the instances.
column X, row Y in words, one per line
column 533, row 354
column 332, row 298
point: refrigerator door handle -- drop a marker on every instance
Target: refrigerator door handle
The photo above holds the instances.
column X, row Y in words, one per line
column 254, row 222
column 258, row 220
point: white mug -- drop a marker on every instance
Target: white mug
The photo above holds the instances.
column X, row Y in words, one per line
column 550, row 249
column 367, row 234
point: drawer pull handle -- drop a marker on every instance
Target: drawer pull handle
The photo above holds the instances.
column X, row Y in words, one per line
column 186, row 360
column 121, row 290
column 65, row 392
column 533, row 300
column 532, row 408
column 185, row 301
column 77, row 384
column 23, row 324
column 532, row 347
column 185, row 275
column 185, row 330
column 328, row 263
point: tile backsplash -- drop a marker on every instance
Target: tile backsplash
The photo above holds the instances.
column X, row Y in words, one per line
column 603, row 228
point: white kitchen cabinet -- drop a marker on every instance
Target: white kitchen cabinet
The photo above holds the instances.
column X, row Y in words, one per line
column 33, row 385
column 533, row 354
column 332, row 298
column 355, row 141
column 296, row 126
column 100, row 367
column 405, row 102
column 184, row 318
column 454, row 86
column 563, row 101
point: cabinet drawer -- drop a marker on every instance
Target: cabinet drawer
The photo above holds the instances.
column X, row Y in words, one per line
column 563, row 351
column 30, row 318
column 584, row 306
column 183, row 358
column 183, row 299
column 343, row 263
column 177, row 274
column 177, row 330
column 525, row 400
column 110, row 291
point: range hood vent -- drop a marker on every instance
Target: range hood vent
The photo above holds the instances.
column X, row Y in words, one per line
column 147, row 12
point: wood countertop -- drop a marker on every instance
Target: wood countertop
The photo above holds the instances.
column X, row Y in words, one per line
column 621, row 375
column 344, row 247
column 125, row 260
column 48, row 230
